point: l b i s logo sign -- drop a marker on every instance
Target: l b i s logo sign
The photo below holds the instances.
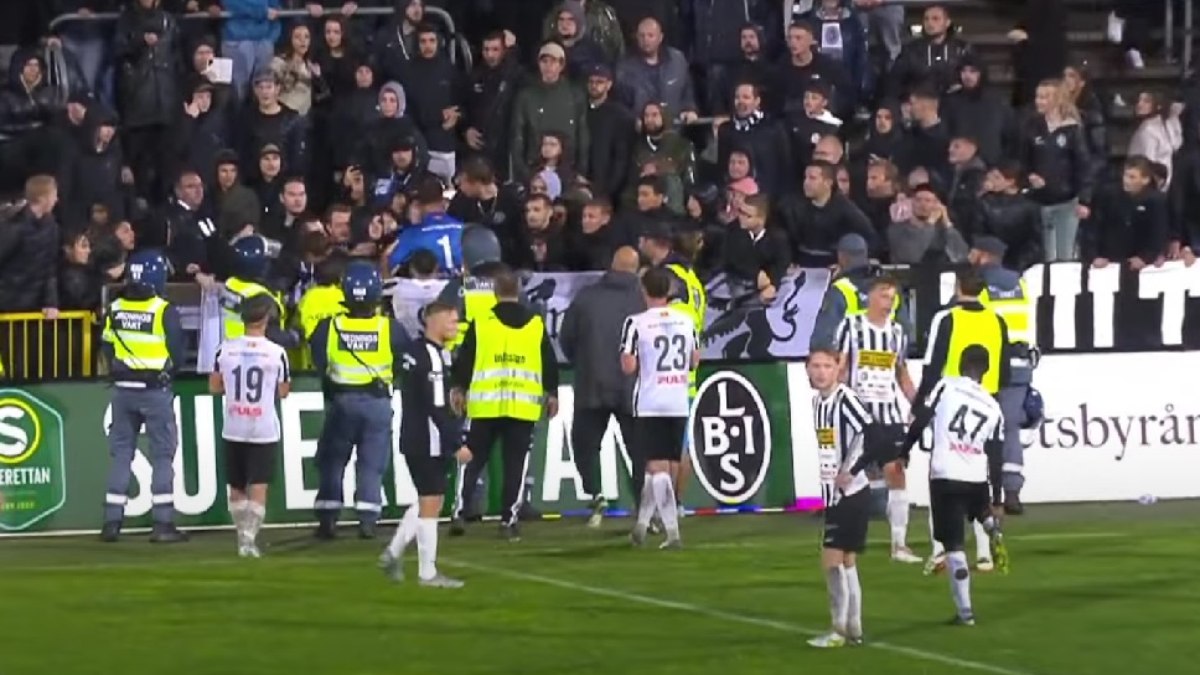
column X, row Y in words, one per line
column 32, row 479
column 730, row 437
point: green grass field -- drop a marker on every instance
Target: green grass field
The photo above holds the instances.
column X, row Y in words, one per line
column 1094, row 589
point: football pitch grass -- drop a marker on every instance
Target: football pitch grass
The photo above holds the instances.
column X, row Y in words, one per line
column 1094, row 589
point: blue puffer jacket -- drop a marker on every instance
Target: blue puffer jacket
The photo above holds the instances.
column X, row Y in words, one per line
column 249, row 22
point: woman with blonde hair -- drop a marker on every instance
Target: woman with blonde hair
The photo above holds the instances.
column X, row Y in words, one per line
column 1059, row 169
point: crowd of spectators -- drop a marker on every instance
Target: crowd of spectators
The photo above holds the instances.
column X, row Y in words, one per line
column 760, row 131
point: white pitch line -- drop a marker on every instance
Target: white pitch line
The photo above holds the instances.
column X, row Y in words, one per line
column 1045, row 536
column 781, row 626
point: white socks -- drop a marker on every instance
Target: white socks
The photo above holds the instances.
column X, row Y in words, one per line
column 254, row 515
column 839, row 600
column 960, row 581
column 897, row 515
column 238, row 511
column 647, row 506
column 983, row 545
column 938, row 549
column 406, row 531
column 664, row 497
column 853, row 602
column 427, row 540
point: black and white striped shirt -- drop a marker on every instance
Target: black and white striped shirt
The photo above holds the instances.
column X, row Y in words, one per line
column 874, row 353
column 839, row 419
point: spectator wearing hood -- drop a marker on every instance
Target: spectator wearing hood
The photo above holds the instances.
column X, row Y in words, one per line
column 660, row 151
column 843, row 38
column 267, row 121
column 570, row 28
column 752, row 67
column 405, row 171
column 353, row 113
column 248, row 37
column 761, row 137
column 807, row 129
column 978, row 112
column 931, row 58
column 201, row 132
column 611, row 128
column 802, row 66
column 887, row 138
column 599, row 25
column 28, row 104
column 96, row 174
column 717, row 32
column 396, row 42
column 1006, row 213
column 494, row 81
column 438, row 97
column 657, row 73
column 202, row 52
column 552, row 103
column 390, row 125
column 235, row 204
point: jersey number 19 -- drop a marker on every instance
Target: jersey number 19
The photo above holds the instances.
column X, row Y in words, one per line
column 248, row 381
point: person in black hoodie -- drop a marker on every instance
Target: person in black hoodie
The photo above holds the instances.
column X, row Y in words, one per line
column 391, row 124
column 1131, row 225
column 267, row 121
column 494, row 81
column 887, row 136
column 590, row 245
column 929, row 138
column 761, row 137
column 79, row 282
column 757, row 255
column 1060, row 172
column 978, row 112
column 807, row 129
column 610, row 127
column 201, row 132
column 481, row 199
column 437, row 97
column 352, row 115
column 817, row 219
column 932, row 58
column 1007, row 214
column 1040, row 52
column 98, row 171
column 964, row 182
column 583, row 53
column 801, row 66
column 752, row 68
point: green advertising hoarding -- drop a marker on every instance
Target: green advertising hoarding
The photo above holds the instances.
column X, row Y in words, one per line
column 54, row 455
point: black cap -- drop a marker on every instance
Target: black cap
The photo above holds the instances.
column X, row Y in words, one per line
column 226, row 156
column 269, row 149
column 601, row 70
column 990, row 245
column 404, row 142
column 658, row 229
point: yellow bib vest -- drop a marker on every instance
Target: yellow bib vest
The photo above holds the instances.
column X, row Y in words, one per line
column 317, row 304
column 507, row 379
column 696, row 306
column 981, row 328
column 135, row 330
column 476, row 303
column 360, row 351
column 856, row 301
column 1015, row 306
column 233, row 294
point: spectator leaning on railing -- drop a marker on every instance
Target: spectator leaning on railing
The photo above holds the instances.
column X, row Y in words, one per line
column 28, row 251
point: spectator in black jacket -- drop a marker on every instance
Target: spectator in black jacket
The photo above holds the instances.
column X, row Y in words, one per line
column 752, row 68
column 583, row 53
column 757, row 255
column 1184, row 195
column 266, row 121
column 28, row 251
column 390, row 124
column 79, row 282
column 437, row 96
column 760, row 136
column 396, row 42
column 494, row 81
column 149, row 64
column 1060, row 171
column 27, row 106
column 201, row 132
column 816, row 220
column 1092, row 111
column 285, row 212
column 96, row 175
column 882, row 201
column 932, row 58
column 978, row 112
column 964, row 181
column 1130, row 225
column 887, row 138
column 801, row 66
column 590, row 246
column 610, row 127
column 806, row 129
column 929, row 138
column 1007, row 214
column 483, row 200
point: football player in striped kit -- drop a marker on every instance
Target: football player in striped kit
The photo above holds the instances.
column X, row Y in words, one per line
column 841, row 421
column 873, row 364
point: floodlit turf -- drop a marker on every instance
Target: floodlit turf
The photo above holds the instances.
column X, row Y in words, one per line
column 1094, row 589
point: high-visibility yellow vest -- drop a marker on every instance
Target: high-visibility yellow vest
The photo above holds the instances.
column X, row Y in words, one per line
column 359, row 351
column 476, row 303
column 856, row 301
column 1015, row 306
column 233, row 294
column 507, row 379
column 975, row 327
column 317, row 304
column 135, row 330
column 695, row 306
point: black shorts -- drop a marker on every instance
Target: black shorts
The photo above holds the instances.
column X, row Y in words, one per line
column 249, row 463
column 660, row 438
column 429, row 474
column 846, row 523
column 952, row 504
column 885, row 441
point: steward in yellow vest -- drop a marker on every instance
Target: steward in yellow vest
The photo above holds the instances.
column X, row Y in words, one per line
column 144, row 341
column 473, row 293
column 847, row 294
column 507, row 372
column 1005, row 293
column 358, row 355
column 252, row 264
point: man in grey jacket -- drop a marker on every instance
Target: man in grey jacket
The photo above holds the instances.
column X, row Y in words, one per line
column 591, row 333
column 657, row 73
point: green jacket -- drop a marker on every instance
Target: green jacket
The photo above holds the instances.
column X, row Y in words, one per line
column 602, row 26
column 670, row 149
column 541, row 108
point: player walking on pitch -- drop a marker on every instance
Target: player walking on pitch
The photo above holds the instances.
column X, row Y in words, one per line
column 661, row 346
column 841, row 421
column 253, row 374
column 968, row 431
column 873, row 364
column 430, row 437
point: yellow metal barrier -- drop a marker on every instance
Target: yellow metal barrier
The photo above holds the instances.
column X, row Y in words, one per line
column 35, row 348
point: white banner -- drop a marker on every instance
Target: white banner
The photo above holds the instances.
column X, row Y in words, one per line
column 738, row 326
column 1118, row 426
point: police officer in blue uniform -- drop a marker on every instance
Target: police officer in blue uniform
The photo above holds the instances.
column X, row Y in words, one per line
column 252, row 258
column 144, row 342
column 1008, row 296
column 358, row 355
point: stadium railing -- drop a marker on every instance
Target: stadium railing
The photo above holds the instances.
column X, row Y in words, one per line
column 34, row 348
